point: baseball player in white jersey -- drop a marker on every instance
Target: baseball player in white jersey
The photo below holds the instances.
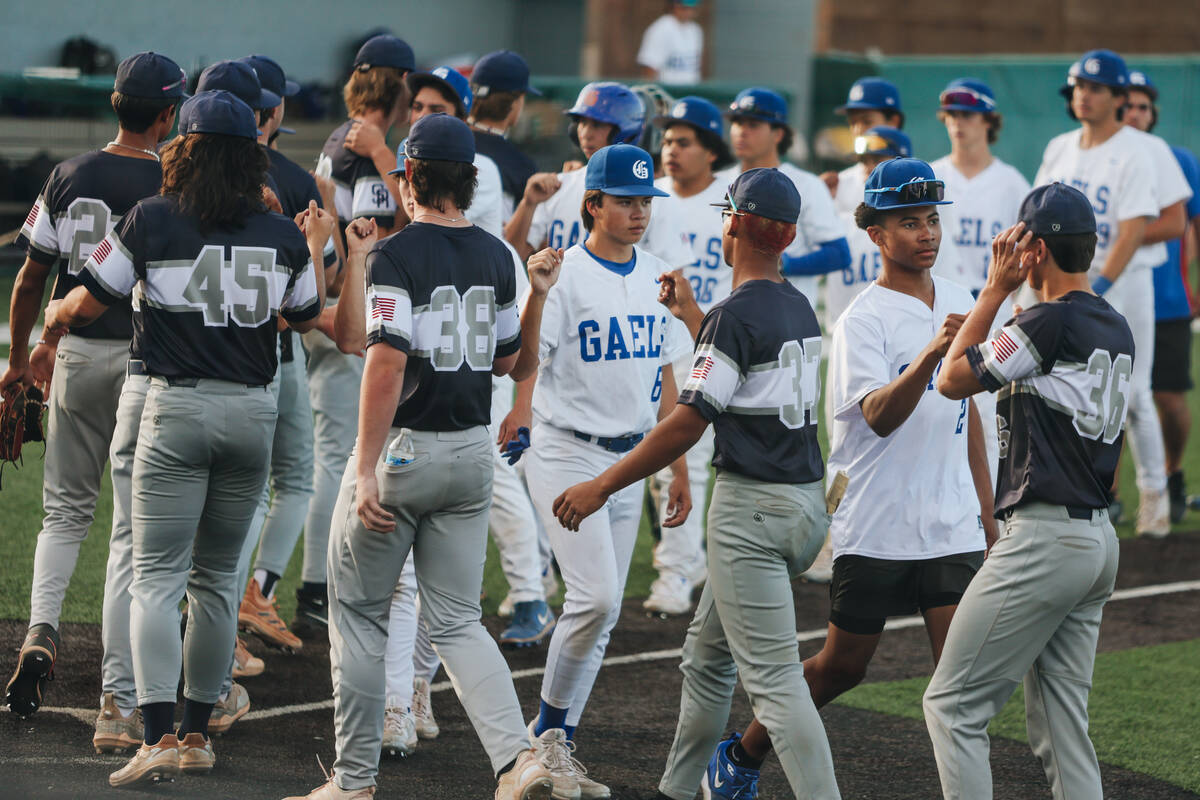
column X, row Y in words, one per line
column 605, row 376
column 1117, row 169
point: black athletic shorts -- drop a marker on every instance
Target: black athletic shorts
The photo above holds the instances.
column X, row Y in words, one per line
column 866, row 591
column 1172, row 370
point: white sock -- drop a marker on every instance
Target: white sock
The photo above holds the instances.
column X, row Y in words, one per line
column 260, row 577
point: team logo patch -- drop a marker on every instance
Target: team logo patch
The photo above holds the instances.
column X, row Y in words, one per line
column 102, row 251
column 1054, row 226
column 1137, row 78
column 746, row 102
column 701, row 368
column 1091, row 66
column 680, row 110
column 640, row 170
column 751, row 206
column 1004, row 347
column 856, row 94
column 441, row 72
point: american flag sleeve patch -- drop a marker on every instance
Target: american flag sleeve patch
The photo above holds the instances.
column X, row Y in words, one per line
column 389, row 315
column 1009, row 357
column 714, row 378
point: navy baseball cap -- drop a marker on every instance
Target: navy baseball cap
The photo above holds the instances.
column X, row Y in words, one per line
column 759, row 103
column 440, row 137
column 701, row 114
column 967, row 94
column 904, row 183
column 385, row 50
column 623, row 170
column 764, row 192
column 401, row 158
column 448, row 81
column 1098, row 66
column 217, row 111
column 239, row 78
column 1141, row 81
column 271, row 75
column 150, row 75
column 1057, row 209
column 872, row 94
column 501, row 71
column 883, row 140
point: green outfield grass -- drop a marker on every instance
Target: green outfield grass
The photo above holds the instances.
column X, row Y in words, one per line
column 1143, row 716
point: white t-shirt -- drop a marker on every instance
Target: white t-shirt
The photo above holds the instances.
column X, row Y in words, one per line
column 605, row 340
column 1118, row 177
column 486, row 208
column 910, row 495
column 557, row 222
column 673, row 49
column 1170, row 187
column 710, row 276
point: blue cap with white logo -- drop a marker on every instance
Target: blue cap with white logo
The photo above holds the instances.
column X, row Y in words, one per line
column 446, row 80
column 1141, row 81
column 904, row 183
column 967, row 94
column 764, row 192
column 239, row 78
column 217, row 111
column 385, row 50
column 1098, row 66
column 695, row 111
column 150, row 75
column 271, row 76
column 876, row 94
column 883, row 140
column 622, row 170
column 761, row 104
column 441, row 137
column 401, row 158
column 1057, row 209
column 501, row 71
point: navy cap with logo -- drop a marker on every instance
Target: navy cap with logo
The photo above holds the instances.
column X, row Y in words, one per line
column 441, row 137
column 876, row 94
column 239, row 78
column 217, row 111
column 271, row 75
column 385, row 50
column 1057, row 209
column 501, row 71
column 761, row 104
column 150, row 75
column 623, row 170
column 446, row 80
column 967, row 94
column 764, row 192
column 904, row 183
column 1141, row 81
column 1098, row 66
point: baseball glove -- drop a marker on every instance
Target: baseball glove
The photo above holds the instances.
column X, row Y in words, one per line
column 20, row 421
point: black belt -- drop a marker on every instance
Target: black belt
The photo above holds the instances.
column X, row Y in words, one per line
column 613, row 444
column 1074, row 512
column 135, row 367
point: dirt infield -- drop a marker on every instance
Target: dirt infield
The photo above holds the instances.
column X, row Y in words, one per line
column 626, row 730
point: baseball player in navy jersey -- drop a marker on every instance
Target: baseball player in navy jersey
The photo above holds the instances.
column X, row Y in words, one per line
column 1032, row 614
column 209, row 346
column 83, row 199
column 500, row 82
column 756, row 378
column 604, row 377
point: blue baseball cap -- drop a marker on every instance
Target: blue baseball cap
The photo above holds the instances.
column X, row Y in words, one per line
column 1098, row 66
column 1057, row 209
column 401, row 158
column 701, row 114
column 623, row 170
column 967, row 94
column 761, row 104
column 440, row 137
column 764, row 192
column 1141, row 81
column 150, row 75
column 904, row 183
column 446, row 80
column 271, row 76
column 883, row 140
column 385, row 50
column 876, row 94
column 501, row 71
column 238, row 78
column 217, row 111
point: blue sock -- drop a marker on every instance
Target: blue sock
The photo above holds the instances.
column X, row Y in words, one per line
column 549, row 717
column 570, row 729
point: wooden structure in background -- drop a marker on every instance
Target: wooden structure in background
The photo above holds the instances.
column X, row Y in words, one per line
column 613, row 34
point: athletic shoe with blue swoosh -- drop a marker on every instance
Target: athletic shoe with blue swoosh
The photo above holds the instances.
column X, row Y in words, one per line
column 725, row 780
column 532, row 621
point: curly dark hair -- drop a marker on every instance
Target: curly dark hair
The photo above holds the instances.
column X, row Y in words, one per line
column 218, row 179
column 434, row 182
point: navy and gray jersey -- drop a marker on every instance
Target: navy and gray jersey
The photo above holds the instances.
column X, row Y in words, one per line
column 515, row 167
column 83, row 199
column 446, row 297
column 756, row 378
column 360, row 189
column 1062, row 370
column 295, row 188
column 209, row 300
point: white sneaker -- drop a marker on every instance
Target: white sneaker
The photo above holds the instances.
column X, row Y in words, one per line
column 422, row 710
column 670, row 594
column 527, row 780
column 553, row 751
column 506, row 607
column 1154, row 514
column 399, row 729
column 821, row 570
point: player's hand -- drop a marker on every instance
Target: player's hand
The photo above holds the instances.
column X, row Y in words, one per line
column 679, row 501
column 1009, row 267
column 991, row 532
column 270, row 200
column 945, row 335
column 364, row 138
column 831, row 181
column 543, row 268
column 17, row 373
column 541, row 187
column 41, row 364
column 511, row 425
column 572, row 164
column 361, row 235
column 675, row 292
column 514, row 448
column 316, row 223
column 577, row 503
column 325, row 188
column 366, row 498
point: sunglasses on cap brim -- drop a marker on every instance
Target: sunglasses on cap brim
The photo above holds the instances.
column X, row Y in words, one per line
column 967, row 97
column 874, row 143
column 728, row 207
column 918, row 190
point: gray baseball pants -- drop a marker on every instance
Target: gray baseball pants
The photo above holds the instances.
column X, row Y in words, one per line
column 1032, row 613
column 760, row 535
column 440, row 502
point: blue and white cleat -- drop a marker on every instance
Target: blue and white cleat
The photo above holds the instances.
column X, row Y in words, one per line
column 725, row 780
column 532, row 621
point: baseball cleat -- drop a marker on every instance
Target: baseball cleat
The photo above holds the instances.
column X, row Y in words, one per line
column 228, row 711
column 196, row 755
column 154, row 763
column 527, row 780
column 422, row 710
column 532, row 621
column 35, row 666
column 725, row 780
column 1154, row 514
column 553, row 750
column 260, row 616
column 115, row 733
column 670, row 595
column 245, row 663
column 312, row 614
column 399, row 730
column 331, row 791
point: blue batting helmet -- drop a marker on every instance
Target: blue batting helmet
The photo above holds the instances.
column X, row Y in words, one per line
column 614, row 104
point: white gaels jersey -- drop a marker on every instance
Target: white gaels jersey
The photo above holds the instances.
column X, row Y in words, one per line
column 1170, row 187
column 911, row 494
column 605, row 340
column 710, row 276
column 983, row 207
column 1117, row 176
column 557, row 223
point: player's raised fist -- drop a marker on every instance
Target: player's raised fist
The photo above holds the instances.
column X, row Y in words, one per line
column 543, row 268
column 541, row 187
column 1010, row 267
column 364, row 138
column 270, row 200
column 316, row 223
column 675, row 292
column 361, row 235
column 945, row 335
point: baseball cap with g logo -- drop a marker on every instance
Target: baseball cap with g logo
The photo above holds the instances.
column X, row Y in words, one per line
column 622, row 170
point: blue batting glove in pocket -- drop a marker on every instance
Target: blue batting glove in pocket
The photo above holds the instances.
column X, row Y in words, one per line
column 515, row 448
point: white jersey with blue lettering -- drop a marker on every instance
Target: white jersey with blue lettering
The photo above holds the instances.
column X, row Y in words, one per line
column 557, row 223
column 710, row 276
column 911, row 494
column 1170, row 186
column 605, row 340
